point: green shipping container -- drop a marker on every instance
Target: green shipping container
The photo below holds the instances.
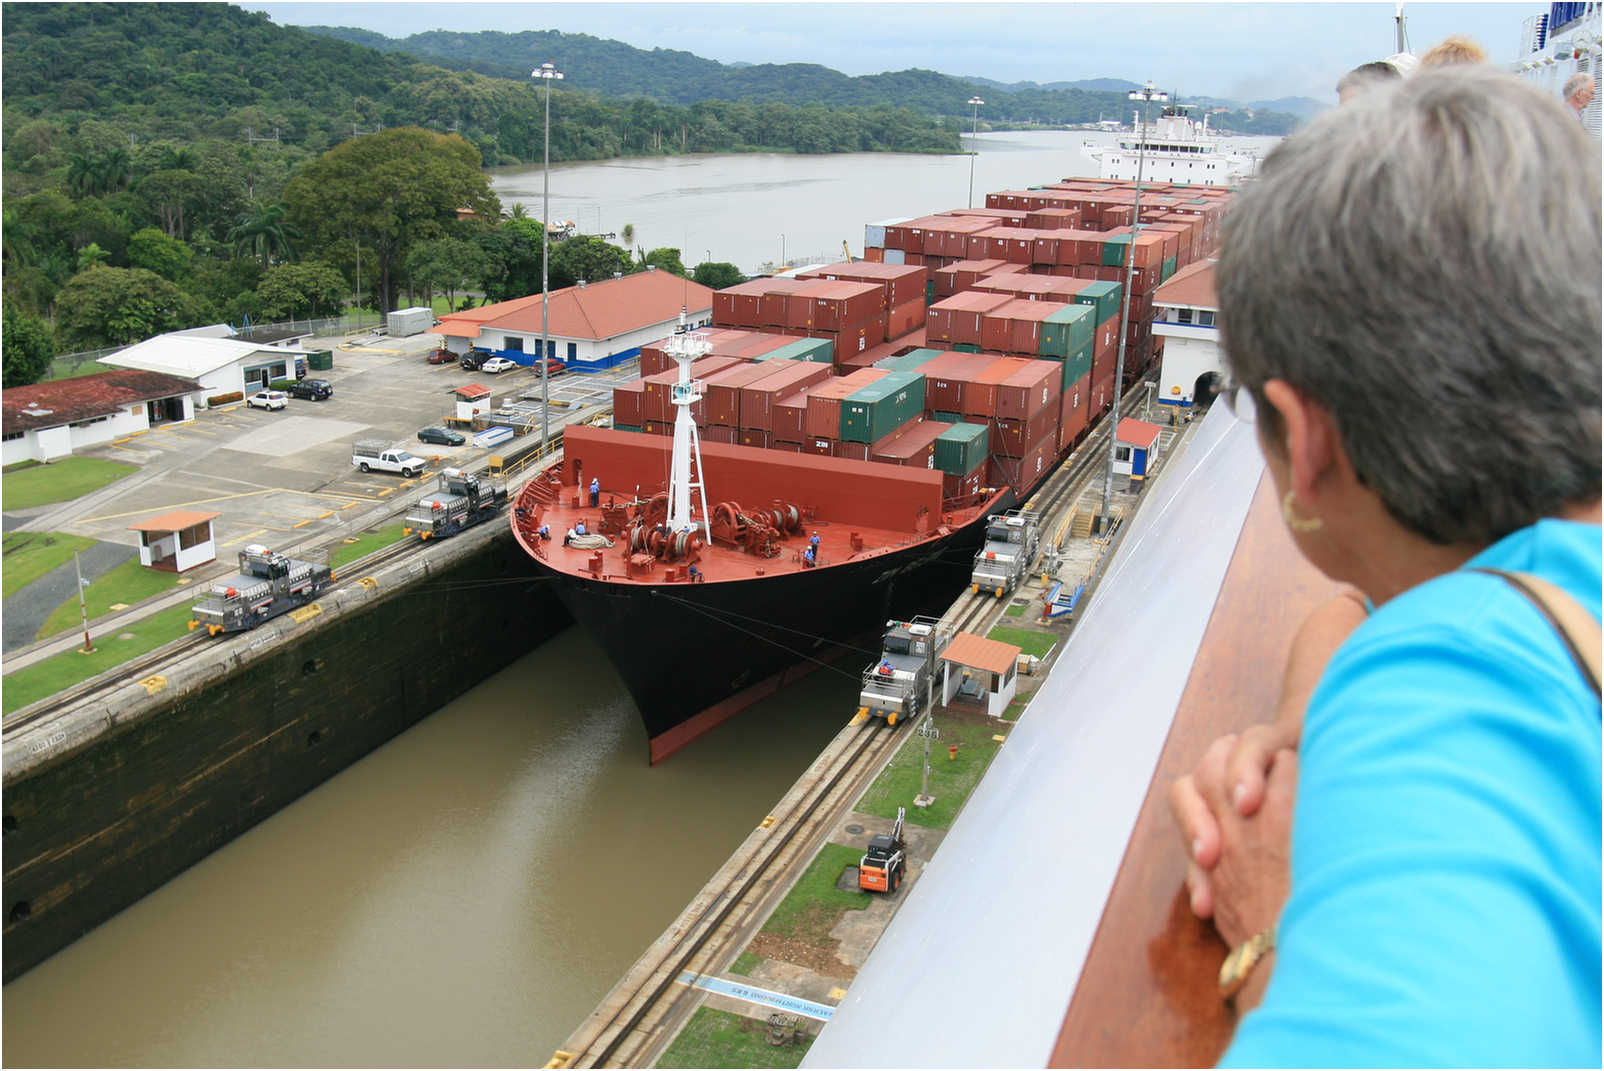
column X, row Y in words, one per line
column 817, row 350
column 1103, row 296
column 946, row 418
column 930, row 292
column 626, row 427
column 961, row 449
column 908, row 362
column 1079, row 363
column 875, row 411
column 320, row 360
column 1067, row 330
column 1168, row 269
column 965, row 347
column 1115, row 250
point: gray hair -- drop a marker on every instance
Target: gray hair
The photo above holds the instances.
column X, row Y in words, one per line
column 1575, row 84
column 1368, row 76
column 1425, row 264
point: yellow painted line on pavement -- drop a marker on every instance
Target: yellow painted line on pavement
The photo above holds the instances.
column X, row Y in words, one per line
column 220, row 498
column 243, row 538
column 300, row 524
column 350, row 505
column 387, row 491
column 330, row 513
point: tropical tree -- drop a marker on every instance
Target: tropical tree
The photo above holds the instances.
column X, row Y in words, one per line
column 116, row 306
column 171, row 194
column 155, row 251
column 293, row 291
column 25, row 348
column 82, row 177
column 627, row 236
column 448, row 264
column 717, row 274
column 512, row 259
column 91, row 255
column 585, row 257
column 265, row 233
column 388, row 191
column 113, row 169
column 664, row 259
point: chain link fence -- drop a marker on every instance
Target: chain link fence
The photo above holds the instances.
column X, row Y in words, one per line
column 68, row 365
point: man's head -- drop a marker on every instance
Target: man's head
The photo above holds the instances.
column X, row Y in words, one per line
column 1365, row 77
column 1451, row 51
column 1578, row 92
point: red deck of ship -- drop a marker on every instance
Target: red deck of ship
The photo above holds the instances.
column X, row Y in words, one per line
column 859, row 509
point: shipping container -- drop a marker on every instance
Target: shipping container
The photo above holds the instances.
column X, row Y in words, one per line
column 874, row 234
column 963, row 490
column 627, row 403
column 961, row 449
column 878, row 409
column 912, row 446
column 814, row 350
column 1073, row 416
column 758, row 397
column 752, row 437
column 790, row 417
column 910, row 361
column 1033, row 387
column 1016, row 438
column 716, row 433
column 957, row 319
column 947, row 375
column 659, row 388
column 824, row 401
column 1066, row 329
column 980, row 393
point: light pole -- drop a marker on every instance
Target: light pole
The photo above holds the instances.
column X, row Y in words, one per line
column 1146, row 95
column 782, row 252
column 547, row 73
column 974, row 147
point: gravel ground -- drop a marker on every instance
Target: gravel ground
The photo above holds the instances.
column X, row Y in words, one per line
column 25, row 612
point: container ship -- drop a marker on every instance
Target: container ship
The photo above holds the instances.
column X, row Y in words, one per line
column 824, row 457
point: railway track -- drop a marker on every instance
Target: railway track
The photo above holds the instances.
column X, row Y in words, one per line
column 647, row 1016
column 143, row 667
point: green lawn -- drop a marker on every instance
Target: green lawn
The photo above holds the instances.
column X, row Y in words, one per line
column 1016, row 610
column 129, row 583
column 365, row 544
column 62, row 671
column 30, row 555
column 1027, row 640
column 745, row 963
column 59, row 481
column 723, row 1039
column 1016, row 708
column 951, row 780
column 814, row 905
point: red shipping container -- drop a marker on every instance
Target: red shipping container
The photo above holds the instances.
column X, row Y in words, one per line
column 963, row 323
column 1103, row 360
column 716, row 433
column 658, row 427
column 822, row 447
column 1022, row 473
column 873, row 256
column 852, row 451
column 996, row 329
column 785, row 445
column 752, row 437
column 980, row 393
column 958, row 490
column 1072, row 411
column 721, row 399
column 790, row 417
column 913, row 446
column 905, row 318
column 655, row 404
column 1033, row 388
column 758, row 398
column 774, row 307
column 1016, row 438
column 627, row 399
column 947, row 375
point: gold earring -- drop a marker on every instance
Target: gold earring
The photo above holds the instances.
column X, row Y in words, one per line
column 1289, row 514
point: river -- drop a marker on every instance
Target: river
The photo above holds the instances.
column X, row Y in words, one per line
column 761, row 209
column 466, row 894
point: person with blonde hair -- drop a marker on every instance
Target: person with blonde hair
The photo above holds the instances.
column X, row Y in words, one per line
column 1578, row 93
column 1451, row 51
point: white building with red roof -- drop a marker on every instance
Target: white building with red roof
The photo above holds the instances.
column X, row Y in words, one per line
column 49, row 420
column 1186, row 312
column 590, row 326
column 1136, row 446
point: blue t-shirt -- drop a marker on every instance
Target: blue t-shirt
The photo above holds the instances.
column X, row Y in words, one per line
column 1445, row 846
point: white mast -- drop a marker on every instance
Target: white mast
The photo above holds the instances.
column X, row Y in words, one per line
column 685, row 472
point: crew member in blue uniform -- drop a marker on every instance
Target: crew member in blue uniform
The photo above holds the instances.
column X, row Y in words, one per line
column 808, row 558
column 595, row 490
column 813, row 543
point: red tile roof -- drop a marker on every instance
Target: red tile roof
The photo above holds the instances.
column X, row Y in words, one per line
column 471, row 391
column 598, row 310
column 1192, row 285
column 62, row 401
column 1138, row 433
column 176, row 521
column 977, row 652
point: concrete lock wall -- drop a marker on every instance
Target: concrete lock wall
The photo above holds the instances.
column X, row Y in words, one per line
column 98, row 813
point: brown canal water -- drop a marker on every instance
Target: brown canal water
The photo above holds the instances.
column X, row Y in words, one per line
column 462, row 897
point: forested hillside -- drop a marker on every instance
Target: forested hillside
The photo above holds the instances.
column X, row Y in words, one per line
column 615, row 69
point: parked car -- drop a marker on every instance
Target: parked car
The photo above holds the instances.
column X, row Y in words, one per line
column 442, row 356
column 497, row 365
column 268, row 399
column 442, row 436
column 553, row 366
column 315, row 389
column 474, row 358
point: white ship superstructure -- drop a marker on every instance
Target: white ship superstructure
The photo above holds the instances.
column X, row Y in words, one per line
column 1563, row 42
column 1178, row 148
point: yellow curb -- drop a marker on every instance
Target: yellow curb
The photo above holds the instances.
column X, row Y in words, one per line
column 300, row 524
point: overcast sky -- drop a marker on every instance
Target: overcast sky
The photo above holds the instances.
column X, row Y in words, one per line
column 1242, row 51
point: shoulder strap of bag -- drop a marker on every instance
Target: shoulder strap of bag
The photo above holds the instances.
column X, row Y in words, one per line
column 1574, row 624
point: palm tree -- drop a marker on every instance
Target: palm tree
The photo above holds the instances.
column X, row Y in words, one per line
column 90, row 255
column 518, row 211
column 176, row 159
column 81, row 177
column 264, row 233
column 113, row 168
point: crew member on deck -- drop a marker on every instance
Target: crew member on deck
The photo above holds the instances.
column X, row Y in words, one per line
column 809, row 559
column 595, row 490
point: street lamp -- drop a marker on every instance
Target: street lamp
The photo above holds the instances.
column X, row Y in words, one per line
column 974, row 147
column 547, row 73
column 1146, row 95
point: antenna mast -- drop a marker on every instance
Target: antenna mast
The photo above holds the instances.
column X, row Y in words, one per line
column 685, row 471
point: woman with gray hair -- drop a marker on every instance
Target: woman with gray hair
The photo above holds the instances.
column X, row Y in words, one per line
column 1410, row 303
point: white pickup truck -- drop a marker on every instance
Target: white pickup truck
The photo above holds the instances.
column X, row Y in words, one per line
column 373, row 456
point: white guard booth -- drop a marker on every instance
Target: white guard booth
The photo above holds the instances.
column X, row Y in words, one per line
column 976, row 670
column 176, row 541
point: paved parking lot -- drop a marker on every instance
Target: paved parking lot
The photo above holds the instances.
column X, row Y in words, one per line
column 284, row 477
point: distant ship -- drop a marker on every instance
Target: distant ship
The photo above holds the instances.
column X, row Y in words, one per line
column 1177, row 149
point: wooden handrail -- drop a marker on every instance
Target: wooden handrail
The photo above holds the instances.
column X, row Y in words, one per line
column 1148, row 996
